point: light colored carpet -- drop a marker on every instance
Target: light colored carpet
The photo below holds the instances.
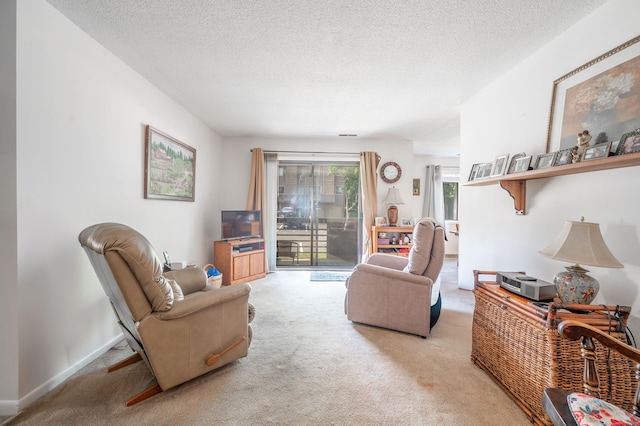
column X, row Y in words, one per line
column 307, row 365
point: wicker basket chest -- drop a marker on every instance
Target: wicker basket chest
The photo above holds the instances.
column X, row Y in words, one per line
column 519, row 347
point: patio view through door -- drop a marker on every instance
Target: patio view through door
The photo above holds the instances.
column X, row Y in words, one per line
column 318, row 214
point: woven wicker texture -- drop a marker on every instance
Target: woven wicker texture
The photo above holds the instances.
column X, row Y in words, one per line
column 526, row 356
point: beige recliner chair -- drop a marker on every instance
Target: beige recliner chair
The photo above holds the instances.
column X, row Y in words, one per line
column 178, row 325
column 395, row 292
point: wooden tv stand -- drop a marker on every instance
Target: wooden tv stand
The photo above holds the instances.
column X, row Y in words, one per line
column 239, row 260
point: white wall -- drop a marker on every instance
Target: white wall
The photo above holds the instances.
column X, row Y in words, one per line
column 81, row 114
column 234, row 193
column 8, row 213
column 510, row 116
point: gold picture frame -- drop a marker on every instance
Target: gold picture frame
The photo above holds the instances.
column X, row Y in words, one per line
column 600, row 96
column 169, row 167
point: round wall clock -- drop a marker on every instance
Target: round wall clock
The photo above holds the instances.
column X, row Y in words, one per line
column 390, row 172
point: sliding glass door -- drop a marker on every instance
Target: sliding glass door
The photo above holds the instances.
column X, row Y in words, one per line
column 318, row 214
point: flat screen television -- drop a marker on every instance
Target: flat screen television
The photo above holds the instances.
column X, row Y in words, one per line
column 241, row 224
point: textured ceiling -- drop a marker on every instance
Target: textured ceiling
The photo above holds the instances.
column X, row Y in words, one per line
column 319, row 68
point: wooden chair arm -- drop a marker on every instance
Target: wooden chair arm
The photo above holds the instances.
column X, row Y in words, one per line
column 574, row 330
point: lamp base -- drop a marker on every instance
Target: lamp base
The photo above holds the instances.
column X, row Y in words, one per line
column 574, row 286
column 392, row 214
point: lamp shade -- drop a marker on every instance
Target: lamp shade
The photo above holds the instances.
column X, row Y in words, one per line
column 393, row 197
column 581, row 243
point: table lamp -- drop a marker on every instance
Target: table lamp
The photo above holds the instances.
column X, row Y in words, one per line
column 579, row 242
column 393, row 199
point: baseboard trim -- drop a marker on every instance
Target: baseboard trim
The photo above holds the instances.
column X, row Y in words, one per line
column 13, row 407
column 8, row 408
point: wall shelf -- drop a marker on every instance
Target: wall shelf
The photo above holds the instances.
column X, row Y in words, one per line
column 516, row 183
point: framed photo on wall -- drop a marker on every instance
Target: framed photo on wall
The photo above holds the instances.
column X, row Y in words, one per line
column 600, row 96
column 416, row 187
column 169, row 167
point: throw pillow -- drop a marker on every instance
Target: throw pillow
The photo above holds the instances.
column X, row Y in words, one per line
column 178, row 295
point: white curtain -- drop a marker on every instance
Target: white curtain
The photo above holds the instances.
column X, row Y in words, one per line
column 433, row 196
column 271, row 207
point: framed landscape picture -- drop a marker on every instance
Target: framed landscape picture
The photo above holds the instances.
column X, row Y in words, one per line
column 169, row 167
column 601, row 96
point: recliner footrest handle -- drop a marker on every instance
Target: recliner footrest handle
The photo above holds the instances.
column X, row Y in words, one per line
column 213, row 358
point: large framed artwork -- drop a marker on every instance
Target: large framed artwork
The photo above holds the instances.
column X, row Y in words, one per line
column 169, row 167
column 602, row 96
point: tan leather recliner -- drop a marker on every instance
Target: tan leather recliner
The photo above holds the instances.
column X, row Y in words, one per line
column 178, row 325
column 394, row 292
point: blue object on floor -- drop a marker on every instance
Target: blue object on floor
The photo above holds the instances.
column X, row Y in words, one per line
column 329, row 275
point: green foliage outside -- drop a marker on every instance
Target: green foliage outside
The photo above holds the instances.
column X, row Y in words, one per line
column 450, row 195
column 351, row 186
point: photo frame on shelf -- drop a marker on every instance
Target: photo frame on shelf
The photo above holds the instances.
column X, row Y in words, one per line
column 522, row 164
column 484, row 170
column 599, row 96
column 629, row 143
column 416, row 186
column 614, row 147
column 405, row 221
column 545, row 160
column 600, row 150
column 169, row 167
column 474, row 171
column 512, row 163
column 564, row 156
column 381, row 221
column 500, row 165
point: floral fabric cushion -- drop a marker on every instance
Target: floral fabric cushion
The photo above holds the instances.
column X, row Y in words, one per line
column 590, row 411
